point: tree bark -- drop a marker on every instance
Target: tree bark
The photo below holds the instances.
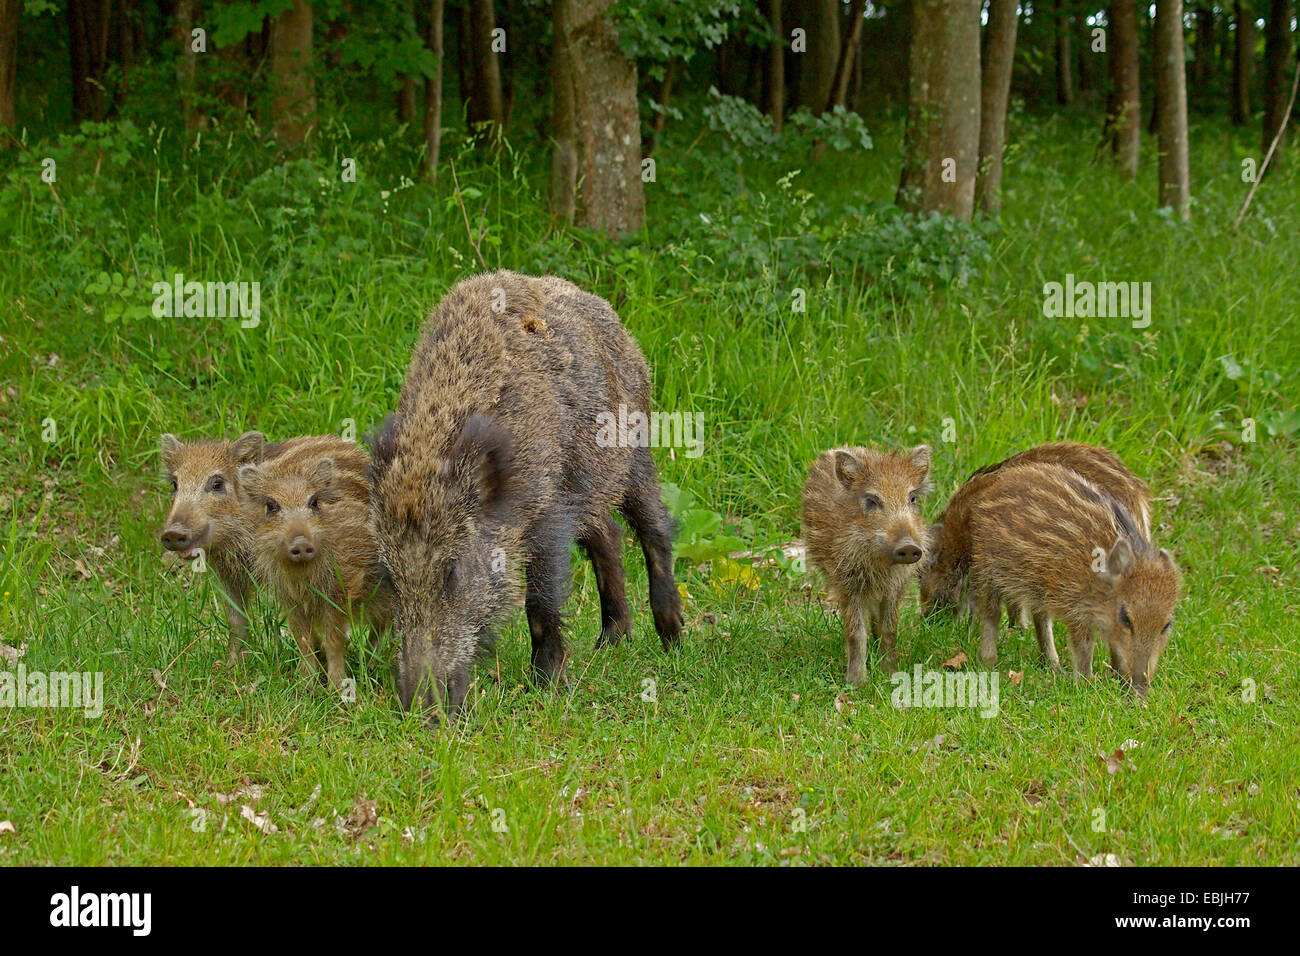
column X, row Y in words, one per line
column 1202, row 65
column 88, row 24
column 433, row 93
column 1064, row 57
column 293, row 98
column 406, row 99
column 941, row 143
column 187, row 15
column 995, row 89
column 1171, row 91
column 1277, row 88
column 776, row 67
column 1125, row 116
column 606, row 123
column 564, row 157
column 844, row 69
column 1243, row 62
column 486, row 103
column 812, row 73
column 10, row 11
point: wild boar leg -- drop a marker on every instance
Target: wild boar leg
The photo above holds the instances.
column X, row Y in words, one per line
column 1046, row 641
column 334, row 644
column 853, row 612
column 604, row 547
column 308, row 662
column 990, row 623
column 884, row 625
column 643, row 507
column 1081, row 640
column 235, row 588
column 547, row 578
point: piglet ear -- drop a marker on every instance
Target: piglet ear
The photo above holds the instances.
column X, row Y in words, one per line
column 921, row 458
column 321, row 472
column 248, row 447
column 847, row 467
column 251, row 478
column 171, row 449
column 1120, row 560
column 483, row 457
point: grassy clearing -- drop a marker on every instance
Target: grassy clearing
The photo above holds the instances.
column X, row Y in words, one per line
column 752, row 750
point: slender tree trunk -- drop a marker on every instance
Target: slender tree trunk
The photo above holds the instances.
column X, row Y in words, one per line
column 293, row 99
column 487, row 105
column 995, row 89
column 564, row 158
column 433, row 93
column 776, row 67
column 10, row 11
column 1125, row 119
column 1064, row 57
column 665, row 91
column 1243, row 62
column 606, row 123
column 1202, row 65
column 187, row 15
column 941, row 148
column 1171, row 90
column 1277, row 88
column 406, row 99
column 87, row 24
column 812, row 73
column 844, row 69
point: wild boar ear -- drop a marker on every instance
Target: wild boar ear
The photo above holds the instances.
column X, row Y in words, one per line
column 251, row 478
column 321, row 473
column 921, row 457
column 483, row 455
column 248, row 447
column 382, row 442
column 1120, row 560
column 171, row 447
column 847, row 468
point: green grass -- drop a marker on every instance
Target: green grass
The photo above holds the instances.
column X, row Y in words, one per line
column 752, row 750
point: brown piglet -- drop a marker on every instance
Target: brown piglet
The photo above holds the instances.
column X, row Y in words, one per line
column 312, row 545
column 1052, row 542
column 862, row 526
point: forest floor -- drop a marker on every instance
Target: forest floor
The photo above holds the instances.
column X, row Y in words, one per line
column 744, row 745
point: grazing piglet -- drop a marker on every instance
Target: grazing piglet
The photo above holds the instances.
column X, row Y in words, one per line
column 496, row 460
column 1054, row 543
column 943, row 575
column 862, row 526
column 313, row 546
column 205, row 518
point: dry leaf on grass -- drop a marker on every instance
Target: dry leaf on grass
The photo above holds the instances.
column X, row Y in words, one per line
column 956, row 662
column 7, row 826
column 1016, row 677
column 260, row 820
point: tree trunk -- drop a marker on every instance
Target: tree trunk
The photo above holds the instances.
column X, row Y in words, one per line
column 776, row 68
column 1243, row 62
column 941, row 148
column 88, row 50
column 844, row 69
column 605, row 154
column 486, row 103
column 293, row 99
column 564, row 158
column 812, row 73
column 1064, row 57
column 665, row 91
column 10, row 11
column 406, row 99
column 1171, row 91
column 999, row 54
column 1204, row 58
column 1277, row 55
column 433, row 93
column 1125, row 119
column 187, row 14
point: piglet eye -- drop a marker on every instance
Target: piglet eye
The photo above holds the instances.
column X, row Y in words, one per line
column 912, row 499
column 175, row 486
column 1124, row 618
column 1167, row 626
column 871, row 503
column 314, row 503
column 272, row 507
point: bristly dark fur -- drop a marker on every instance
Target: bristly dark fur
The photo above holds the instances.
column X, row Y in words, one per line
column 490, row 468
